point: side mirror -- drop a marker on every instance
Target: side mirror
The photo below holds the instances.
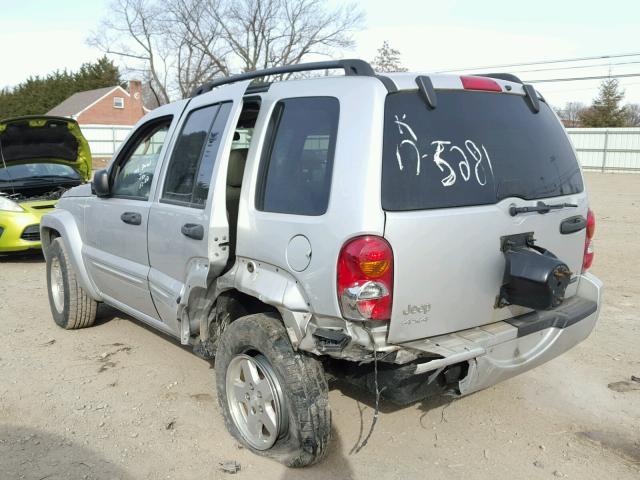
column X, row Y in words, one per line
column 100, row 183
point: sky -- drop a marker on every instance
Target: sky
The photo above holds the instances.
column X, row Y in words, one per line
column 40, row 36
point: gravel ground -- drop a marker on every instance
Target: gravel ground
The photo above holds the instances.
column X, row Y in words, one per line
column 119, row 401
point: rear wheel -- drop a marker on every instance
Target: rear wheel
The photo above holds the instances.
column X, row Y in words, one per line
column 275, row 400
column 71, row 307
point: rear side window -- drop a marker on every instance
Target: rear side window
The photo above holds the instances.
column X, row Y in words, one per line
column 297, row 161
column 189, row 173
column 475, row 148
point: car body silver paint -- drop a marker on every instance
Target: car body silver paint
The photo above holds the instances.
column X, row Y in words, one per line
column 480, row 341
column 516, row 356
column 83, row 190
column 460, row 267
column 354, row 204
column 176, row 271
column 116, row 253
column 307, row 299
column 463, row 276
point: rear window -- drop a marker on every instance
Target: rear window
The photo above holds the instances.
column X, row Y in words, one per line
column 475, row 148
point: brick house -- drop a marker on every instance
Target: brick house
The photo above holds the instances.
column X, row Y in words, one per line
column 104, row 106
column 105, row 116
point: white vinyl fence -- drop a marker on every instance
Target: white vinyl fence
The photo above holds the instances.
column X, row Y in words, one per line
column 605, row 149
column 104, row 140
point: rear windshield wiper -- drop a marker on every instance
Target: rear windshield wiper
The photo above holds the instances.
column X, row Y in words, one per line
column 541, row 207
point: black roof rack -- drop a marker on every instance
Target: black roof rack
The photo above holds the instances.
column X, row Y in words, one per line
column 351, row 67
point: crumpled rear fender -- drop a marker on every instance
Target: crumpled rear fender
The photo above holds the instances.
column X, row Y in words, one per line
column 61, row 223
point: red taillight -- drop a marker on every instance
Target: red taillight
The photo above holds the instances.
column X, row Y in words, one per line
column 480, row 83
column 587, row 260
column 365, row 278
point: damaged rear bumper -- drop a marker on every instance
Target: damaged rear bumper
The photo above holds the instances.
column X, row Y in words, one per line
column 501, row 350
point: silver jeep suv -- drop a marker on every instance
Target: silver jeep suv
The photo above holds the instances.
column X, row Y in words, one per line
column 412, row 234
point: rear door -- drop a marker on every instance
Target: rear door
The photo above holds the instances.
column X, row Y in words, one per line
column 188, row 227
column 450, row 176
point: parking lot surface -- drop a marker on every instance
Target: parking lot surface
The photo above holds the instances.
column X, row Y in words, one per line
column 119, row 401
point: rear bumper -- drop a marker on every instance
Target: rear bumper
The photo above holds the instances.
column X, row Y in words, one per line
column 502, row 350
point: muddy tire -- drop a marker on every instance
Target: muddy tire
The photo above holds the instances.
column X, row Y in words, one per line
column 71, row 307
column 275, row 401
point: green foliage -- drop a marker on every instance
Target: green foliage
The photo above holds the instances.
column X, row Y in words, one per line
column 37, row 95
column 606, row 110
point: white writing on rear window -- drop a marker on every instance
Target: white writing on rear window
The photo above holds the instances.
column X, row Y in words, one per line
column 471, row 158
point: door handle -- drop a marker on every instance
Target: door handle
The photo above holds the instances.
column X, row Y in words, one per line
column 193, row 230
column 132, row 218
column 573, row 224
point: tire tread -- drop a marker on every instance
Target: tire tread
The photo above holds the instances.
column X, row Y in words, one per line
column 81, row 309
column 302, row 378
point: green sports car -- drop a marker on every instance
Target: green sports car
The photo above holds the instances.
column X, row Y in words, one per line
column 41, row 157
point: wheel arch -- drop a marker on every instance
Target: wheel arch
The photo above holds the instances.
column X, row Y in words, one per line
column 61, row 224
column 277, row 289
column 257, row 287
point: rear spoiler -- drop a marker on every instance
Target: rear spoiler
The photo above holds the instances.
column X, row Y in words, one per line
column 533, row 96
column 428, row 92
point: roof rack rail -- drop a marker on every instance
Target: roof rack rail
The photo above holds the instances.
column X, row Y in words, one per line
column 351, row 67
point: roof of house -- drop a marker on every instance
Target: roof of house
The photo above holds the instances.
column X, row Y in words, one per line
column 78, row 102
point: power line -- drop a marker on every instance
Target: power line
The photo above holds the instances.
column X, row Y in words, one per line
column 577, row 66
column 540, row 62
column 569, row 88
column 575, row 79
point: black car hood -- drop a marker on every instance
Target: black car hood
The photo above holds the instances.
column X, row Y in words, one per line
column 45, row 139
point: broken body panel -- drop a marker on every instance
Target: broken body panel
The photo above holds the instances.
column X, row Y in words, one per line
column 448, row 263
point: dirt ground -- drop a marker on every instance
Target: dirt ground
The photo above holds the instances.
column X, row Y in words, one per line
column 119, row 401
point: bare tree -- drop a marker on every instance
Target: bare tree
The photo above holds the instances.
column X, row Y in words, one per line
column 197, row 43
column 137, row 33
column 184, row 43
column 633, row 115
column 387, row 59
column 570, row 114
column 268, row 33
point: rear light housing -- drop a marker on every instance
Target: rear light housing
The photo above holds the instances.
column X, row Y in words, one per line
column 587, row 259
column 365, row 279
column 480, row 83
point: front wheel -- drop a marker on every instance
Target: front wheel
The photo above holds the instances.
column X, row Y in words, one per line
column 71, row 306
column 275, row 400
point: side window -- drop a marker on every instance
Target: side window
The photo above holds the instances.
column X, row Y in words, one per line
column 134, row 173
column 189, row 173
column 296, row 166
